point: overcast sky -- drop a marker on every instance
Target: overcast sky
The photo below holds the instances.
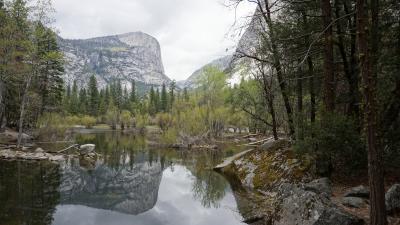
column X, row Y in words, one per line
column 191, row 32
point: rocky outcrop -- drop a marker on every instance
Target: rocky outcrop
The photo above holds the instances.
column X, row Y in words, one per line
column 220, row 64
column 353, row 202
column 359, row 191
column 272, row 186
column 8, row 154
column 392, row 198
column 320, row 186
column 132, row 56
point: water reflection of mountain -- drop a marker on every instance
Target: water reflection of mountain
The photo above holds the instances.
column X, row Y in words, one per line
column 130, row 188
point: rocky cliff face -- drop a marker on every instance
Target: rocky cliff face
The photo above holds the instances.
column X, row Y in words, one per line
column 132, row 56
column 237, row 64
column 221, row 64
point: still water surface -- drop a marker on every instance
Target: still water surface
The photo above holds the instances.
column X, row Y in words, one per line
column 130, row 185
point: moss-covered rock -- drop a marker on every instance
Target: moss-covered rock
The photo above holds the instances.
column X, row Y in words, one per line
column 269, row 185
column 264, row 168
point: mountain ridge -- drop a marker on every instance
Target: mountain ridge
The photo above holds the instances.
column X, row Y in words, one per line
column 126, row 57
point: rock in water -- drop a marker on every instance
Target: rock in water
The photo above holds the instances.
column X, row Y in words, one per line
column 353, row 202
column 86, row 149
column 39, row 150
column 320, row 186
column 392, row 198
column 359, row 191
column 132, row 56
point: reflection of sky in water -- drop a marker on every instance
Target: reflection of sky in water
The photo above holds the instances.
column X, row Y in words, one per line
column 175, row 206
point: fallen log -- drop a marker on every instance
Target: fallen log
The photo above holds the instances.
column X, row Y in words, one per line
column 70, row 147
column 256, row 143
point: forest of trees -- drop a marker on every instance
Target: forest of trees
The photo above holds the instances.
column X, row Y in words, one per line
column 328, row 76
column 31, row 65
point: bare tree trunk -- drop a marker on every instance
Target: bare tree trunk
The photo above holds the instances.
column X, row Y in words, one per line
column 273, row 115
column 22, row 113
column 2, row 107
column 299, row 90
column 368, row 72
column 329, row 76
column 310, row 70
column 277, row 64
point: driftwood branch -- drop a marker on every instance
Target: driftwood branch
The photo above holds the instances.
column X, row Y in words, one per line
column 70, row 147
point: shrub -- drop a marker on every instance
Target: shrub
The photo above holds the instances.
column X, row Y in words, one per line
column 164, row 121
column 336, row 145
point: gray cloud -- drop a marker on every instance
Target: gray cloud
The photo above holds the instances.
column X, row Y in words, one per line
column 191, row 32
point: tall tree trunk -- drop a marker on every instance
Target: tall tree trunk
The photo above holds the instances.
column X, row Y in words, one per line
column 299, row 90
column 329, row 76
column 2, row 107
column 273, row 116
column 22, row 112
column 368, row 72
column 353, row 77
column 310, row 69
column 277, row 63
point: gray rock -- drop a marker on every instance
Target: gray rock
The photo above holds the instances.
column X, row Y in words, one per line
column 353, row 202
column 308, row 208
column 392, row 199
column 320, row 186
column 132, row 56
column 252, row 139
column 86, row 149
column 359, row 191
column 39, row 150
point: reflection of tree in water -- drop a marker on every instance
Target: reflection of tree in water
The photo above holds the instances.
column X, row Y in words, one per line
column 117, row 148
column 28, row 192
column 208, row 187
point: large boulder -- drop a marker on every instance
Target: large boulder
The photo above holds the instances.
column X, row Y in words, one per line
column 299, row 206
column 392, row 198
column 282, row 178
column 86, row 149
column 359, row 192
column 353, row 202
column 320, row 186
column 264, row 169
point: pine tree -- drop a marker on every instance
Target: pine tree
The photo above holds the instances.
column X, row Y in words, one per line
column 152, row 102
column 83, row 102
column 94, row 100
column 172, row 87
column 164, row 99
column 74, row 100
column 157, row 101
column 185, row 94
column 50, row 66
column 133, row 92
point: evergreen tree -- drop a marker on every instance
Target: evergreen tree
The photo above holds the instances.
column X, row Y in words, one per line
column 133, row 92
column 102, row 103
column 185, row 94
column 74, row 100
column 83, row 102
column 172, row 87
column 157, row 101
column 93, row 93
column 152, row 102
column 50, row 66
column 164, row 99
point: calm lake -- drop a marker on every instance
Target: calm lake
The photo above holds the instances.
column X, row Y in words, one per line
column 131, row 184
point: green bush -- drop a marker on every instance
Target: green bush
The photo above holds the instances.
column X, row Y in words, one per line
column 336, row 144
